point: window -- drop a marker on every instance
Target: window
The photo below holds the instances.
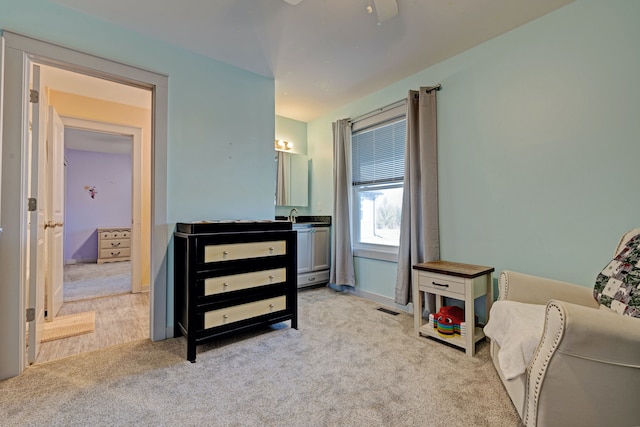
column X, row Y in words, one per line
column 378, row 145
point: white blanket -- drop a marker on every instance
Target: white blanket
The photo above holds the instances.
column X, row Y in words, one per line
column 517, row 328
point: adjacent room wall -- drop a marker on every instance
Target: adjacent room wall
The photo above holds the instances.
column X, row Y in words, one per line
column 83, row 107
column 110, row 175
column 538, row 146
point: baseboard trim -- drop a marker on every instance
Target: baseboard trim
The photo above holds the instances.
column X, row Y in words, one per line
column 80, row 261
column 169, row 332
column 380, row 299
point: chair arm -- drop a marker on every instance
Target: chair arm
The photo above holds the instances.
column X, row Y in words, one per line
column 586, row 369
column 529, row 289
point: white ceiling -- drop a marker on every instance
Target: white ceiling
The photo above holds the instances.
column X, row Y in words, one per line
column 321, row 53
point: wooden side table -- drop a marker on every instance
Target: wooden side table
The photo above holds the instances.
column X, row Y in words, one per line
column 463, row 282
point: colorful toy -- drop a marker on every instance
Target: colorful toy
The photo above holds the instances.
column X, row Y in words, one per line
column 449, row 321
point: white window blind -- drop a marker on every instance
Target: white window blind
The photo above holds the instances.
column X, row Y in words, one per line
column 378, row 152
column 377, row 155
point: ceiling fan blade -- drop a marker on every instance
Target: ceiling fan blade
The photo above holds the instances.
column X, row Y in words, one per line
column 293, row 2
column 386, row 9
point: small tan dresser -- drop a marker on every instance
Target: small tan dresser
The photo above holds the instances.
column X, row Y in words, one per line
column 114, row 244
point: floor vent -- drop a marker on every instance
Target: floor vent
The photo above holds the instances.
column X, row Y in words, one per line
column 386, row 310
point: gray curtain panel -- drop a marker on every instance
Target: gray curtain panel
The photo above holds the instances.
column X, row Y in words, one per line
column 342, row 271
column 419, row 230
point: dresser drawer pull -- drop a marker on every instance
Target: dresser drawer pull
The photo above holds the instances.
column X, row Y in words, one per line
column 225, row 252
column 439, row 284
column 115, row 253
column 225, row 284
column 115, row 245
column 271, row 276
column 271, row 306
column 271, row 248
column 226, row 316
column 311, row 279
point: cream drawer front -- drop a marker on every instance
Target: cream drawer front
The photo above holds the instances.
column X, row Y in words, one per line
column 310, row 279
column 440, row 283
column 218, row 285
column 115, row 243
column 115, row 253
column 237, row 313
column 119, row 234
column 215, row 253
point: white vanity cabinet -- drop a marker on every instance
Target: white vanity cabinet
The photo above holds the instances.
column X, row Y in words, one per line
column 314, row 242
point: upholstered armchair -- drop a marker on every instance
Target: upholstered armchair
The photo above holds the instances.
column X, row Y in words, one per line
column 584, row 366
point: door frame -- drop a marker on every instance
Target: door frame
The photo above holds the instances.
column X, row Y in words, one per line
column 17, row 49
column 136, row 197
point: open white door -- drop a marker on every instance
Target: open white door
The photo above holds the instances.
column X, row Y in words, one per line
column 36, row 217
column 55, row 197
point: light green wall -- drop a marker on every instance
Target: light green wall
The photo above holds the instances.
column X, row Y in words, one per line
column 210, row 104
column 221, row 118
column 293, row 131
column 538, row 145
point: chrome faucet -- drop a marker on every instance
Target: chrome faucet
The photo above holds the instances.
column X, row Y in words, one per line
column 292, row 217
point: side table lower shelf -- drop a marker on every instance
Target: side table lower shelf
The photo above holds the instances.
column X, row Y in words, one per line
column 456, row 340
column 464, row 282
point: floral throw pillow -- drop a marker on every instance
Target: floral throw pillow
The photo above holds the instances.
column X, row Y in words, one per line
column 618, row 285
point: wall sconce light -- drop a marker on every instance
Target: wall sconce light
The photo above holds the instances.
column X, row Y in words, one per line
column 283, row 145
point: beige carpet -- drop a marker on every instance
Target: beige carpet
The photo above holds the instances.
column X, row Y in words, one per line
column 347, row 365
column 89, row 280
column 69, row 326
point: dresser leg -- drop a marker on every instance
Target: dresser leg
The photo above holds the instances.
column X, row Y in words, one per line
column 191, row 353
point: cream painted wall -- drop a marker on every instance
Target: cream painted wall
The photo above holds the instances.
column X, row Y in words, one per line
column 82, row 107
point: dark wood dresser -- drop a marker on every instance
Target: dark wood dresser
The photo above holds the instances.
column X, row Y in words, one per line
column 231, row 276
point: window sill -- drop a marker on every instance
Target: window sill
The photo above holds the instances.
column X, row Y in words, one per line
column 391, row 256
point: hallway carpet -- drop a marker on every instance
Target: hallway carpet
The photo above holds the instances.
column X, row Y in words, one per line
column 90, row 280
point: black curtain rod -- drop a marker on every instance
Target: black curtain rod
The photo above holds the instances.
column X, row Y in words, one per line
column 386, row 107
column 431, row 89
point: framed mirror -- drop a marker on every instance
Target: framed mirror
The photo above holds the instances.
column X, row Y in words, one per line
column 292, row 179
